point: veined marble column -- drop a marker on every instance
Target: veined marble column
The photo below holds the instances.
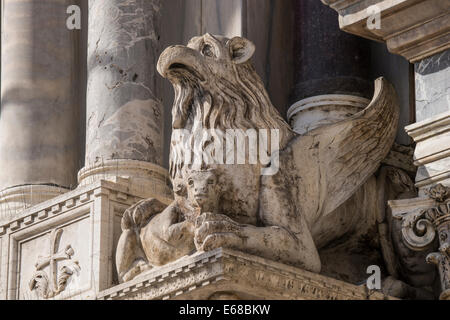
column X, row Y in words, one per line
column 124, row 130
column 432, row 130
column 38, row 116
column 331, row 69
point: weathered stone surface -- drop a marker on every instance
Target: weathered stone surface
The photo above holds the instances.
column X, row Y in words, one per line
column 143, row 177
column 310, row 113
column 205, row 275
column 426, row 221
column 124, row 115
column 14, row 200
column 432, row 137
column 246, row 207
column 234, row 230
column 432, row 86
column 411, row 28
column 39, row 114
column 79, row 230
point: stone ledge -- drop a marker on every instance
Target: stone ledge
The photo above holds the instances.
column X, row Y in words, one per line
column 75, row 198
column 17, row 199
column 200, row 276
column 432, row 150
column 414, row 29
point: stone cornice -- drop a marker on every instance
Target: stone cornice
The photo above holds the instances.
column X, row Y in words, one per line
column 414, row 29
column 432, row 149
column 433, row 126
column 72, row 199
column 222, row 270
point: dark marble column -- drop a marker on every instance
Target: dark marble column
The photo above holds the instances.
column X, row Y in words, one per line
column 38, row 116
column 124, row 129
column 328, row 61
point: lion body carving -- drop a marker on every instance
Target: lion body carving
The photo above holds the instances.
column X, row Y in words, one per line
column 233, row 205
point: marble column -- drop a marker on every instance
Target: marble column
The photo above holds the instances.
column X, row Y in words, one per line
column 124, row 128
column 38, row 115
column 432, row 130
column 332, row 69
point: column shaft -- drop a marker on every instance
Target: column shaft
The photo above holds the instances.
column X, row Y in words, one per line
column 332, row 69
column 39, row 117
column 124, row 129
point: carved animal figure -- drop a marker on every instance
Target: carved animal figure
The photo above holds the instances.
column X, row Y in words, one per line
column 280, row 216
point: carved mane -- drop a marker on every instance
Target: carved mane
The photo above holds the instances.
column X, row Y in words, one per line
column 221, row 104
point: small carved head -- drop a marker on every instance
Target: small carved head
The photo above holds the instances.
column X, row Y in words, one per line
column 439, row 193
column 444, row 240
column 203, row 189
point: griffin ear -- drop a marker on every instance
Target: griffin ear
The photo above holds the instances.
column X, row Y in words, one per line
column 241, row 50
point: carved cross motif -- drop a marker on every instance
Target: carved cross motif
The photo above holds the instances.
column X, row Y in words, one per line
column 50, row 287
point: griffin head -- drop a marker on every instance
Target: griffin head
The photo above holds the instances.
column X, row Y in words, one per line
column 215, row 81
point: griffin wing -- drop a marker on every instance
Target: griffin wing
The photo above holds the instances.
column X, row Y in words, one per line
column 333, row 161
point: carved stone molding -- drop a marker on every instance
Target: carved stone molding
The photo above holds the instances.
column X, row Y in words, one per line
column 209, row 275
column 90, row 217
column 414, row 29
column 143, row 176
column 313, row 112
column 421, row 225
column 15, row 200
column 432, row 137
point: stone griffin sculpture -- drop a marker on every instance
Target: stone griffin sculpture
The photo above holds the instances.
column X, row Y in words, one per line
column 276, row 216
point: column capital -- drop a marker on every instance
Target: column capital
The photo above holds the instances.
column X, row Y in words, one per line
column 425, row 220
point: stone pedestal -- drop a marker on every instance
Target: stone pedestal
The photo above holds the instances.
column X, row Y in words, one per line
column 146, row 178
column 39, row 114
column 72, row 236
column 238, row 275
column 124, row 116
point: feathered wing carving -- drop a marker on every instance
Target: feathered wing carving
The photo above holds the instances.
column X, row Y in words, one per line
column 333, row 161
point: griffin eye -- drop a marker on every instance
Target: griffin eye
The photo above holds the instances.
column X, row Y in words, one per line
column 207, row 51
column 191, row 182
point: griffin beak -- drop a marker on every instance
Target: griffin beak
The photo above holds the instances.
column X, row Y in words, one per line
column 180, row 58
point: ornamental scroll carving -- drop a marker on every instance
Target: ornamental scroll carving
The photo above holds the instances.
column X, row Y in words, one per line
column 421, row 228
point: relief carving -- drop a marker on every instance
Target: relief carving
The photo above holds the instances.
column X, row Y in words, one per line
column 422, row 228
column 49, row 285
